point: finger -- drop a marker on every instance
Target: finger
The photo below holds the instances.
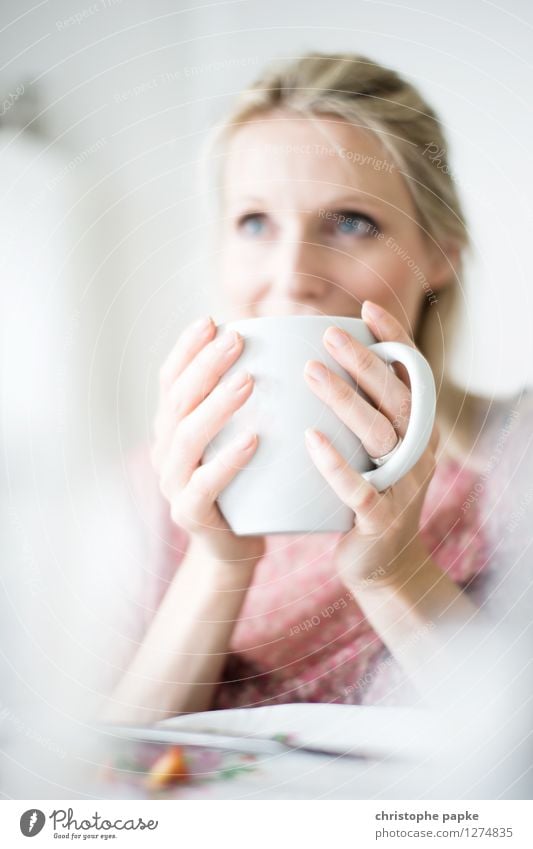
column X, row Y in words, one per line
column 350, row 486
column 194, row 384
column 384, row 326
column 390, row 394
column 209, row 479
column 373, row 428
column 193, row 434
column 192, row 340
column 203, row 373
column 193, row 506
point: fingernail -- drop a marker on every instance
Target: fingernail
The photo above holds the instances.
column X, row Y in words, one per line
column 336, row 337
column 316, row 370
column 202, row 324
column 313, row 438
column 372, row 310
column 227, row 341
column 237, row 380
column 244, row 440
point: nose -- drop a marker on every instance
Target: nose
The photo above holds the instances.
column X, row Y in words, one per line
column 298, row 274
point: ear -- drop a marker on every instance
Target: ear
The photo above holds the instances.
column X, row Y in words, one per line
column 443, row 262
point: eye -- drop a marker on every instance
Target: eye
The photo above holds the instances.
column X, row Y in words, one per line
column 347, row 222
column 252, row 224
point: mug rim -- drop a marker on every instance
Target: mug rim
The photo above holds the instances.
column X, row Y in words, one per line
column 279, row 318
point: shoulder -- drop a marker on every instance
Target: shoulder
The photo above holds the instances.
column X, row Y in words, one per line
column 503, row 426
column 480, row 424
column 452, row 519
column 507, row 510
column 509, row 455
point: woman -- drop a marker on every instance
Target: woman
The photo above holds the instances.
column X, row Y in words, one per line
column 332, row 202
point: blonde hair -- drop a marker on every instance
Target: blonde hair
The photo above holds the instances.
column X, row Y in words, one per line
column 376, row 98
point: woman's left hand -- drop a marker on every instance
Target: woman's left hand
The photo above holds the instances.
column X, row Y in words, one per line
column 385, row 535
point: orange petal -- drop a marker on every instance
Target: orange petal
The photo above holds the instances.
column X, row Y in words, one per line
column 167, row 769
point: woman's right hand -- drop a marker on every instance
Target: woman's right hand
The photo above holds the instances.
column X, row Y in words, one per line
column 194, row 404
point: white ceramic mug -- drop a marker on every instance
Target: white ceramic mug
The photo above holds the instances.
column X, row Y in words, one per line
column 280, row 490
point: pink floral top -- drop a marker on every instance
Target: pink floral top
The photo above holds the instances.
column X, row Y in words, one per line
column 301, row 637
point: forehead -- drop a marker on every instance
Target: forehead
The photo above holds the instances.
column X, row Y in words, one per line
column 291, row 159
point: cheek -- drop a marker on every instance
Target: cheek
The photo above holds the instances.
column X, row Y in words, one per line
column 390, row 264
column 385, row 273
column 374, row 277
column 380, row 275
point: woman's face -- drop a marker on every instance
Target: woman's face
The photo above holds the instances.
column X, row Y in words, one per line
column 310, row 231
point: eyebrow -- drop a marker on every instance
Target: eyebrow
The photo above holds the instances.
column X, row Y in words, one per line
column 354, row 196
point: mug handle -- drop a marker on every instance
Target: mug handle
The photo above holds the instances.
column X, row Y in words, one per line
column 421, row 420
